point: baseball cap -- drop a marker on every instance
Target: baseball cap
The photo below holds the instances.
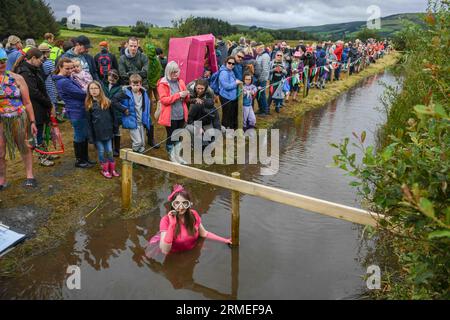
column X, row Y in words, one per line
column 83, row 40
column 103, row 44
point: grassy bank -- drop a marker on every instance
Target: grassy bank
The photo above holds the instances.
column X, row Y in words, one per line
column 70, row 195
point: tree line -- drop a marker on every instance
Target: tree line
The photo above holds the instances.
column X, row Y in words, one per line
column 27, row 19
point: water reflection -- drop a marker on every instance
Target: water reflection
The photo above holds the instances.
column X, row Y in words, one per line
column 179, row 270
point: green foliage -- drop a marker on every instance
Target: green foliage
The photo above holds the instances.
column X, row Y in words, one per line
column 203, row 25
column 365, row 34
column 141, row 29
column 407, row 178
column 27, row 19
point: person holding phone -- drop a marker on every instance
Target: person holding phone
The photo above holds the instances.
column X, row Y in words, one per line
column 182, row 227
column 173, row 96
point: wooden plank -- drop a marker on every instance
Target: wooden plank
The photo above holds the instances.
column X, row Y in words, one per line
column 327, row 208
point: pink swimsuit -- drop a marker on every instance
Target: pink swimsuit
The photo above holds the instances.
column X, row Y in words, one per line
column 184, row 241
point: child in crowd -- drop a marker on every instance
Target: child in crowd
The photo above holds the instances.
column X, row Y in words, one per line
column 101, row 127
column 296, row 74
column 112, row 87
column 249, row 93
column 80, row 76
column 134, row 104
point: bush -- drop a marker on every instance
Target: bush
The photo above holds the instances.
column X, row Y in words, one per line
column 407, row 179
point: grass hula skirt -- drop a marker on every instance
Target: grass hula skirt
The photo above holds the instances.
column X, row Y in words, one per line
column 16, row 132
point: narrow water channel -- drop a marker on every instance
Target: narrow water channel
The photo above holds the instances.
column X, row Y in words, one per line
column 285, row 253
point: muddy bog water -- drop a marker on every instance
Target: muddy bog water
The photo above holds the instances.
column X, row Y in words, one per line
column 285, row 253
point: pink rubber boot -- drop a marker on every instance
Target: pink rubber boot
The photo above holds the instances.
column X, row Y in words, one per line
column 105, row 170
column 112, row 170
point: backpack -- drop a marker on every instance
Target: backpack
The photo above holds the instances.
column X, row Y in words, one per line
column 214, row 82
column 104, row 64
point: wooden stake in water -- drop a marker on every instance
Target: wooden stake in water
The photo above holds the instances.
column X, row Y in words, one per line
column 235, row 213
column 127, row 179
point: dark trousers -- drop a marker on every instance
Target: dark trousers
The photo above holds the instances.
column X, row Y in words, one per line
column 229, row 113
column 40, row 134
column 175, row 124
column 337, row 72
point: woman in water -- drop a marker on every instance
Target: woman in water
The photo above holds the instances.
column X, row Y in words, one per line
column 181, row 228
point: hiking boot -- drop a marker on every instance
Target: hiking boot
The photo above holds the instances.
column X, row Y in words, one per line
column 112, row 169
column 105, row 170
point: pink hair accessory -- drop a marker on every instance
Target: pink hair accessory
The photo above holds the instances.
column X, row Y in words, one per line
column 177, row 188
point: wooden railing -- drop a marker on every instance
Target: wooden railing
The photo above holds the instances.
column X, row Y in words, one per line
column 238, row 186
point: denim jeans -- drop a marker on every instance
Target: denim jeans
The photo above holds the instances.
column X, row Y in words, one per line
column 80, row 132
column 105, row 151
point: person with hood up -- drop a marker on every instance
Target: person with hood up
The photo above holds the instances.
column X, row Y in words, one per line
column 154, row 71
column 223, row 49
column 105, row 61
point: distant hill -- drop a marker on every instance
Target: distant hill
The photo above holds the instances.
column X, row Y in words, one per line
column 389, row 25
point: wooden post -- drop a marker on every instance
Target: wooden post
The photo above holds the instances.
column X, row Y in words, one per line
column 127, row 180
column 240, row 107
column 234, row 273
column 235, row 213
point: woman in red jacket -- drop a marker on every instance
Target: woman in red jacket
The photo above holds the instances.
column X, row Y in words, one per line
column 173, row 96
column 338, row 52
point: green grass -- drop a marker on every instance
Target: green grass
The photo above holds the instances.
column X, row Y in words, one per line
column 157, row 38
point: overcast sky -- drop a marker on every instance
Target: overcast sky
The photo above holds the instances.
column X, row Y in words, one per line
column 263, row 13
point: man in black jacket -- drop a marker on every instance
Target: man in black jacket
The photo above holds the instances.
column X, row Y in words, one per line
column 30, row 69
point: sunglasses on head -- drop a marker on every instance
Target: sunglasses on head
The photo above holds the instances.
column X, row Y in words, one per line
column 185, row 204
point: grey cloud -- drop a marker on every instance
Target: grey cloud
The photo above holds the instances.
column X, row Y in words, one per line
column 265, row 13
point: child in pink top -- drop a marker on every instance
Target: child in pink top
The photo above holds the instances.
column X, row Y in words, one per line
column 181, row 227
column 80, row 76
